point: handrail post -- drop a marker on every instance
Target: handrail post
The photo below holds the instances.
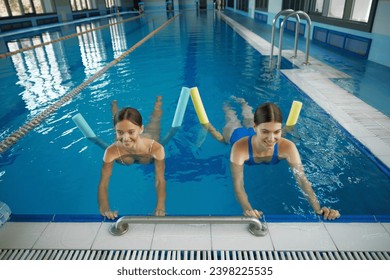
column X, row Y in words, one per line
column 121, row 226
column 308, row 38
column 297, row 27
column 284, row 12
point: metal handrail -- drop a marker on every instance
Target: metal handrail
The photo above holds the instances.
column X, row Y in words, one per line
column 281, row 13
column 296, row 37
column 121, row 226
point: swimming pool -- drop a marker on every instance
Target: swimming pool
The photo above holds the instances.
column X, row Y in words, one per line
column 54, row 170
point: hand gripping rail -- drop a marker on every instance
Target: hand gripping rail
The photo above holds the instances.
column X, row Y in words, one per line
column 121, row 226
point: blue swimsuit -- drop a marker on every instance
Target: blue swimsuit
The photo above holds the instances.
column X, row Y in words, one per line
column 241, row 132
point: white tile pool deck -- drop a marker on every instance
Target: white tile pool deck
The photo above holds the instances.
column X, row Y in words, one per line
column 365, row 123
column 32, row 238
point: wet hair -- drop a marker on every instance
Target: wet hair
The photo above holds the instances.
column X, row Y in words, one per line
column 130, row 114
column 267, row 112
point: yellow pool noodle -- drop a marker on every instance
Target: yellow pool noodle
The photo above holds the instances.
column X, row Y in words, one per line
column 198, row 104
column 294, row 113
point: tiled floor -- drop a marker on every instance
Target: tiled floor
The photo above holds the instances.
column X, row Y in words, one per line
column 369, row 126
column 371, row 237
column 365, row 123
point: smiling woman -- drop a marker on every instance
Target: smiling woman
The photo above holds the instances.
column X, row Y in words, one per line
column 259, row 141
column 130, row 148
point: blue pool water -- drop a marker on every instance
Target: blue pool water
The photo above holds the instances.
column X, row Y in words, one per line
column 54, row 170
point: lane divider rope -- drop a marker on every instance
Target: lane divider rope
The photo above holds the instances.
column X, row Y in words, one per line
column 28, row 126
column 4, row 55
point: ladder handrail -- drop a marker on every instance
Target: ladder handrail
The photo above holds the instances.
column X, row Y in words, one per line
column 121, row 226
column 307, row 38
column 297, row 27
column 281, row 13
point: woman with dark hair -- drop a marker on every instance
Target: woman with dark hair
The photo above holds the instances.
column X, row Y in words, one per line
column 134, row 144
column 260, row 141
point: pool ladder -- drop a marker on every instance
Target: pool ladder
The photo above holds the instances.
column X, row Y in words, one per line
column 121, row 226
column 289, row 13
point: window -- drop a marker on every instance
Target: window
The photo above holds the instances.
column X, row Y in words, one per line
column 336, row 8
column 3, row 9
column 261, row 5
column 297, row 5
column 80, row 5
column 27, row 7
column 318, row 6
column 353, row 14
column 361, row 10
column 38, row 7
column 242, row 5
column 110, row 3
column 14, row 8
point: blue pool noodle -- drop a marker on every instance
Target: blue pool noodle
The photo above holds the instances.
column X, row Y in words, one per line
column 83, row 126
column 181, row 107
column 87, row 131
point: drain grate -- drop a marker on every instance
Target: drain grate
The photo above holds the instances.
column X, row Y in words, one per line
column 25, row 254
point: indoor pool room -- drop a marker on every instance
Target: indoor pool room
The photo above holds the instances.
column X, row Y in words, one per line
column 189, row 68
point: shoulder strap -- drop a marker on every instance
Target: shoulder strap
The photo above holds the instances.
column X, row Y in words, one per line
column 250, row 149
column 119, row 153
column 275, row 158
column 151, row 146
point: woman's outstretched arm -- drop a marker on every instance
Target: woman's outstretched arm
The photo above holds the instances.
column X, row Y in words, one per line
column 160, row 182
column 104, row 206
column 237, row 159
column 296, row 166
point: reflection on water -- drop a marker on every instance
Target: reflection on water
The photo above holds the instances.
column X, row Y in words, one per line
column 40, row 71
column 44, row 73
column 92, row 49
column 118, row 37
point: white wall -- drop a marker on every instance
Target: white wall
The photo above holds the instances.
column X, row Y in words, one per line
column 381, row 23
column 64, row 10
column 380, row 47
column 274, row 7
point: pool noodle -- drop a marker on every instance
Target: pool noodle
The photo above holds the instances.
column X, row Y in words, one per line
column 198, row 104
column 294, row 113
column 88, row 132
column 83, row 126
column 181, row 107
